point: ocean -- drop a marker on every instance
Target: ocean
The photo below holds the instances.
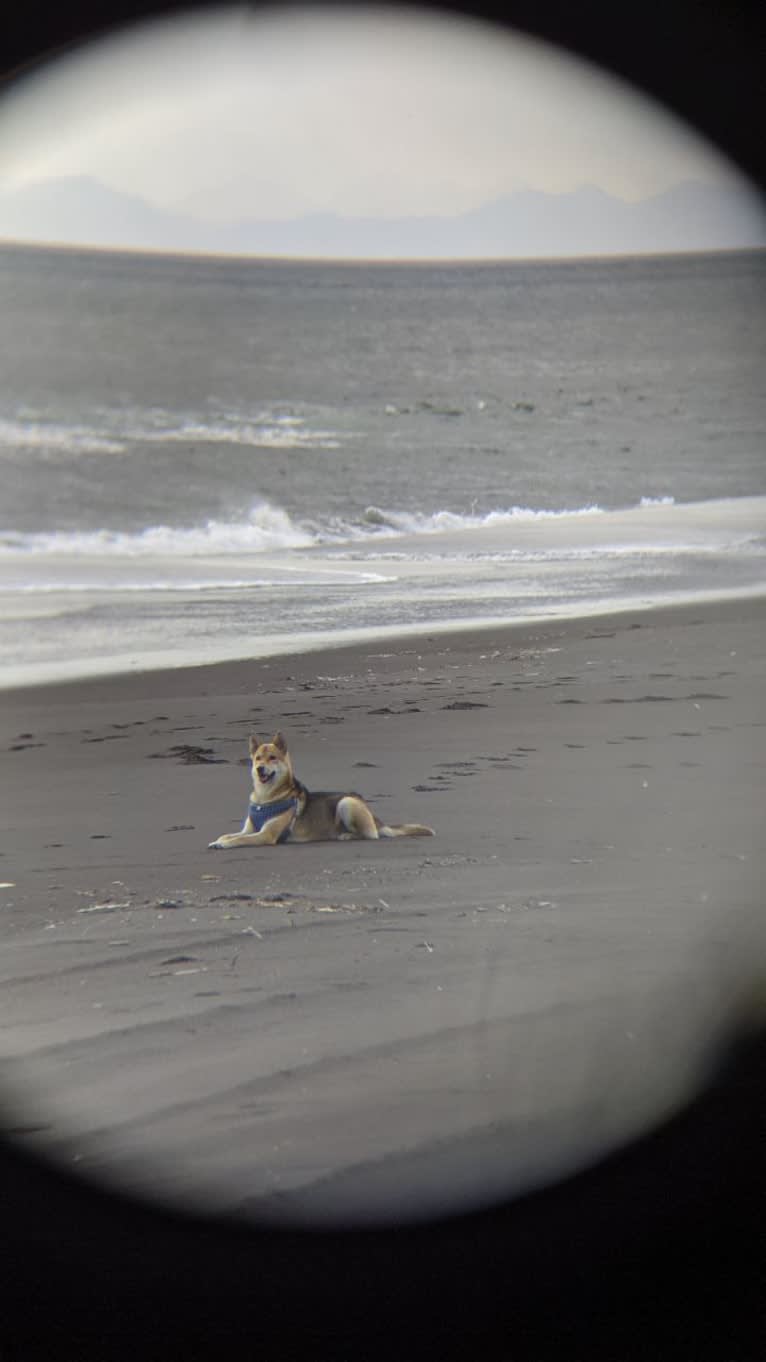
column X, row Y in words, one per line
column 209, row 458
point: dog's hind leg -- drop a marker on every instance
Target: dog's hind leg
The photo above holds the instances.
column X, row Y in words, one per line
column 353, row 815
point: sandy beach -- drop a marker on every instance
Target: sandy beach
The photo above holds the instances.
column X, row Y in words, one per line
column 363, row 1030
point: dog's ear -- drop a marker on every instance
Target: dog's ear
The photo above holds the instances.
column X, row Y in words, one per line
column 254, row 744
column 279, row 742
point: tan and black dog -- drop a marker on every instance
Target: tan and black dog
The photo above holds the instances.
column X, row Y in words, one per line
column 281, row 809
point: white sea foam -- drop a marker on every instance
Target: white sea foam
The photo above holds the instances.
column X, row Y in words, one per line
column 435, row 522
column 42, row 435
column 656, row 526
column 267, row 527
column 271, row 433
column 118, row 431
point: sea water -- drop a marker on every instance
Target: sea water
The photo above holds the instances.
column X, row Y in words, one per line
column 215, row 458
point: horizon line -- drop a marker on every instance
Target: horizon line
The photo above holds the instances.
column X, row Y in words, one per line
column 179, row 253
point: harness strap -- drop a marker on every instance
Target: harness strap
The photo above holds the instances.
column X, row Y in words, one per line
column 260, row 814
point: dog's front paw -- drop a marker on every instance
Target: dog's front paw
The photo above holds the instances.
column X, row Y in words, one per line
column 220, row 843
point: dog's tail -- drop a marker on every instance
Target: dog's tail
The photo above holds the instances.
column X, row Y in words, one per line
column 405, row 830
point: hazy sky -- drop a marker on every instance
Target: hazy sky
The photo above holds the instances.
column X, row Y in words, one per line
column 232, row 115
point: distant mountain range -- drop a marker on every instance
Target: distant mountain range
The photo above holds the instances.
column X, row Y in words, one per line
column 688, row 217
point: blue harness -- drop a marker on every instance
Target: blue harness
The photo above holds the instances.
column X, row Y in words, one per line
column 260, row 814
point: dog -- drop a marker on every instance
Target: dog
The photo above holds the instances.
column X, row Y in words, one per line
column 281, row 809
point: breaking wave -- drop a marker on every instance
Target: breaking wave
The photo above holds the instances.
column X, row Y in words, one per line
column 267, row 527
column 417, row 522
column 271, row 528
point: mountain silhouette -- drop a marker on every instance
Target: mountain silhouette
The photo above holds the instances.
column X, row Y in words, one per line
column 79, row 210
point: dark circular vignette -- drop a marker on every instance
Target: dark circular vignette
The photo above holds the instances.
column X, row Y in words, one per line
column 655, row 1254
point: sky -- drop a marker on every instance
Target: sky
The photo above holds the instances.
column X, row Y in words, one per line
column 366, row 113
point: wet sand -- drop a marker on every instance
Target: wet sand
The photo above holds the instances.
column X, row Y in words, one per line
column 378, row 1029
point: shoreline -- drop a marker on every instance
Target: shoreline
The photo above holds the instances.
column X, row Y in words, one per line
column 65, row 630
column 284, row 1030
column 395, row 638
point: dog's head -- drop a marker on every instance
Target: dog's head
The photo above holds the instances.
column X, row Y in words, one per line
column 272, row 768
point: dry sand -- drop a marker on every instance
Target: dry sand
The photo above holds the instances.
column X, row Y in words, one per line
column 374, row 1029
